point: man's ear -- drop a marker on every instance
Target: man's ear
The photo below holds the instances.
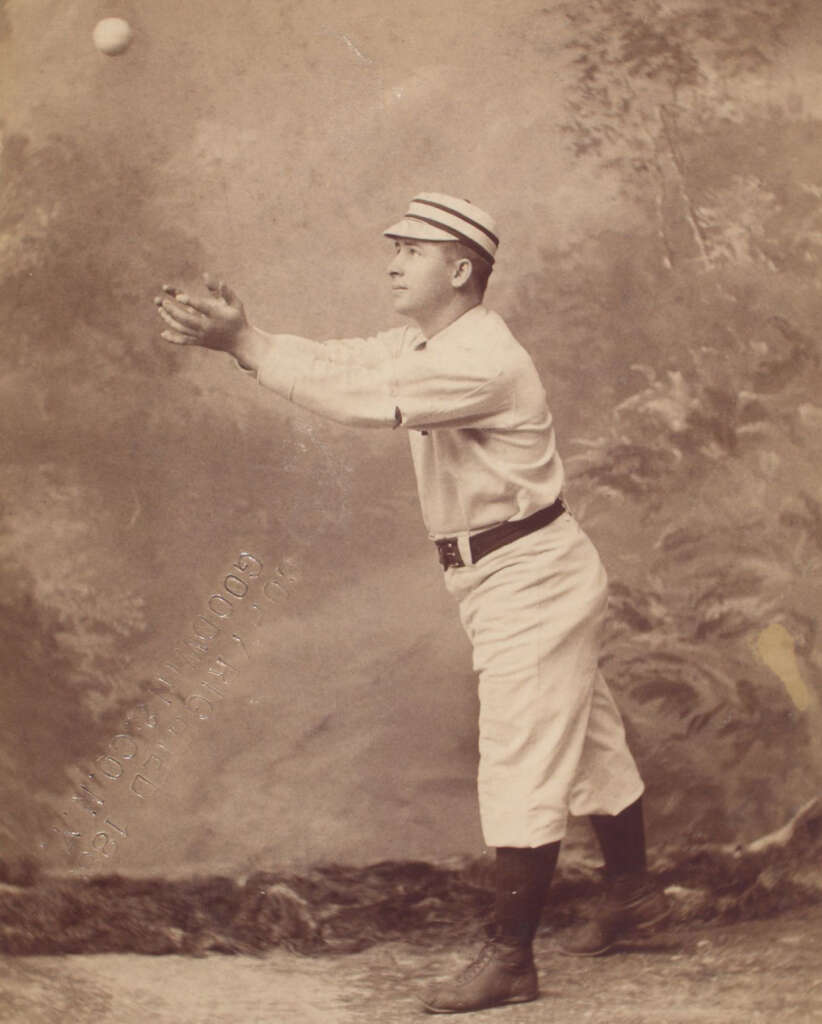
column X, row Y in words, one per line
column 461, row 274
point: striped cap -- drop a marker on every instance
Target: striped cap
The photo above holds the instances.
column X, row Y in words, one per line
column 432, row 217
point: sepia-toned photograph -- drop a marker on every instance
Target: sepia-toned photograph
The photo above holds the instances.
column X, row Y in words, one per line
column 411, row 511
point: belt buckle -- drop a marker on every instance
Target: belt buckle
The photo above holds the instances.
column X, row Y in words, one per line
column 449, row 553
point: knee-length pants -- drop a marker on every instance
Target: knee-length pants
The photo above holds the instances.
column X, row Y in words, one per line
column 551, row 739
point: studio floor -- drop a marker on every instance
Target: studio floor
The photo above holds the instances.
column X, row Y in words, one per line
column 760, row 971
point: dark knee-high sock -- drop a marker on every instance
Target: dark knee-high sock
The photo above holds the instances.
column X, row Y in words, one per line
column 523, row 876
column 622, row 840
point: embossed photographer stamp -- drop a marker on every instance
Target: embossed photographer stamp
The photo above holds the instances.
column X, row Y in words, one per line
column 201, row 671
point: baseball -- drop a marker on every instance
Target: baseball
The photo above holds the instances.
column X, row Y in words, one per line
column 112, row 36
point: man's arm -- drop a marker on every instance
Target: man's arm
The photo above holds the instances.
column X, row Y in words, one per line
column 346, row 381
column 456, row 386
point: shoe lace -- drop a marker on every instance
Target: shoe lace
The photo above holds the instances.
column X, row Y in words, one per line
column 474, row 968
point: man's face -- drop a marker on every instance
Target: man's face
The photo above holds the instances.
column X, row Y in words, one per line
column 421, row 277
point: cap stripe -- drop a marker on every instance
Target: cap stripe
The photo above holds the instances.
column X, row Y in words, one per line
column 458, row 235
column 439, row 217
column 456, row 213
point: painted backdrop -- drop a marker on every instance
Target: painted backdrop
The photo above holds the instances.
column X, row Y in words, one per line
column 225, row 641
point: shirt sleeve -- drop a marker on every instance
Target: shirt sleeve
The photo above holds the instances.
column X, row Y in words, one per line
column 346, row 380
column 351, row 351
column 455, row 386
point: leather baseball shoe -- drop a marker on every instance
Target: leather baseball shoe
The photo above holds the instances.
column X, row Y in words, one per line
column 633, row 904
column 502, row 973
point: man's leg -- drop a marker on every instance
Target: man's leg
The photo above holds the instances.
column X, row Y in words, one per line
column 622, row 840
column 633, row 901
column 504, row 971
column 534, row 616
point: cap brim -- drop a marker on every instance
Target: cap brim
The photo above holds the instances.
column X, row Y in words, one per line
column 419, row 231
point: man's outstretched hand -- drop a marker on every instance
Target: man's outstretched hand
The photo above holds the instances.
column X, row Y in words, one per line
column 217, row 322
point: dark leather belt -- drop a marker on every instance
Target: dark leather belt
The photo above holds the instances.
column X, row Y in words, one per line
column 484, row 543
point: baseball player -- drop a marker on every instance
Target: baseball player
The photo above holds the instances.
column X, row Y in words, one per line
column 529, row 584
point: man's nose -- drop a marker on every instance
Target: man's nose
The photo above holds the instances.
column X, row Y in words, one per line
column 394, row 265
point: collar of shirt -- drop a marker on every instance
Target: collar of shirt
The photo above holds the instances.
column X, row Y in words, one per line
column 463, row 323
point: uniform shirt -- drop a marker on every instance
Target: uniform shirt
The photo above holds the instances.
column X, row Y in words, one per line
column 481, row 433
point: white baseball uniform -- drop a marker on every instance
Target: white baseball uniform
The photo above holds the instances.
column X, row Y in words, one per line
column 482, row 440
